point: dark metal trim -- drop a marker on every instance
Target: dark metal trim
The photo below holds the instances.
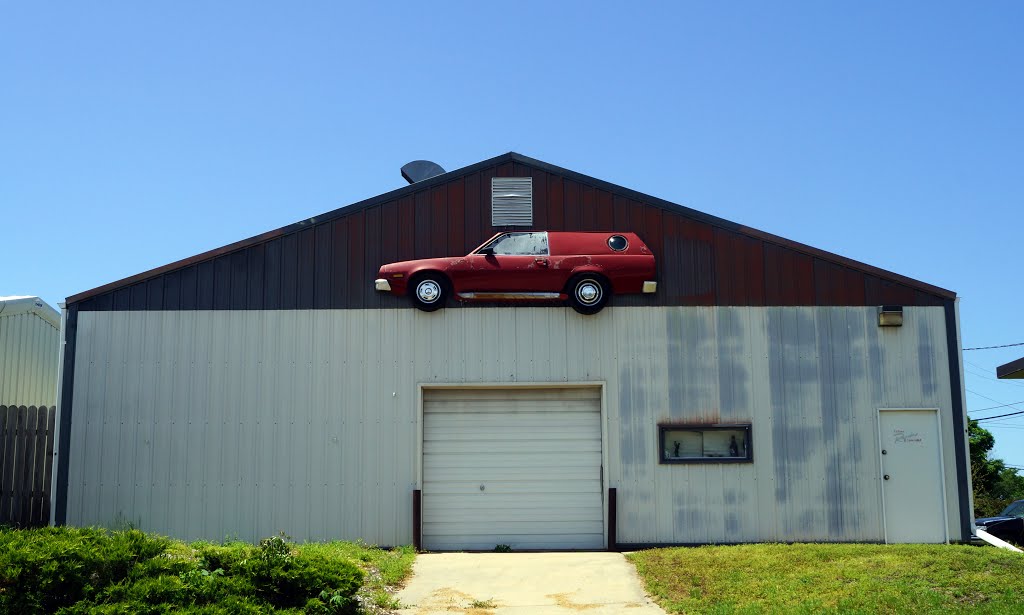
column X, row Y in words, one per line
column 417, row 517
column 959, row 428
column 538, row 164
column 664, row 427
column 613, row 541
column 1013, row 369
column 60, row 497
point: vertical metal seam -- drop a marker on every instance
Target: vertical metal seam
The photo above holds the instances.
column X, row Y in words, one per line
column 60, row 498
column 953, row 350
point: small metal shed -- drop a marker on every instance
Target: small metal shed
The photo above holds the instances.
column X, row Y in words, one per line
column 29, row 364
column 29, row 347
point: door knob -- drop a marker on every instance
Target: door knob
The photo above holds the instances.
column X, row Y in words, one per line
column 886, row 477
column 482, row 487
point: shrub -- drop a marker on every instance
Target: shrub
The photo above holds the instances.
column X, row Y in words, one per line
column 87, row 570
column 285, row 579
column 44, row 570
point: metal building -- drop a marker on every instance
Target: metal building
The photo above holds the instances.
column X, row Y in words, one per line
column 29, row 350
column 767, row 391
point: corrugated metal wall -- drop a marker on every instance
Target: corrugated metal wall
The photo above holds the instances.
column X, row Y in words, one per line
column 29, row 347
column 214, row 424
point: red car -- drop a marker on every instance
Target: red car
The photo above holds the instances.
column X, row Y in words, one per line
column 583, row 268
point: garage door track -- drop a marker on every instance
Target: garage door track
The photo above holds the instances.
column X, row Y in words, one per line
column 535, row 583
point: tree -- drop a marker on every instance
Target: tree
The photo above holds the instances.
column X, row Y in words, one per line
column 995, row 485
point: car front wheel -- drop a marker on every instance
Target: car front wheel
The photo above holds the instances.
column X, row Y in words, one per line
column 588, row 293
column 429, row 292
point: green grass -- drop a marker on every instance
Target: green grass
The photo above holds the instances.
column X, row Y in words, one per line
column 834, row 578
column 89, row 570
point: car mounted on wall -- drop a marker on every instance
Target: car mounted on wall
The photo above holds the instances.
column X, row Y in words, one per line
column 581, row 268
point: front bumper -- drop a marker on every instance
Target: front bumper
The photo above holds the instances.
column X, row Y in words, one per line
column 382, row 284
column 650, row 287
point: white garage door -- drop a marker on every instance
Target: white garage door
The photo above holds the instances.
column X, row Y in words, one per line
column 517, row 467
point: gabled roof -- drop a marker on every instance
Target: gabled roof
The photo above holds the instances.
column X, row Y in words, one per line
column 22, row 304
column 512, row 160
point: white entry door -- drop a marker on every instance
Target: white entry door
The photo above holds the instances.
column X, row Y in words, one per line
column 913, row 488
column 517, row 467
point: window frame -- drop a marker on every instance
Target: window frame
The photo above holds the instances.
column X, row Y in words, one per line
column 621, row 250
column 504, row 234
column 663, row 428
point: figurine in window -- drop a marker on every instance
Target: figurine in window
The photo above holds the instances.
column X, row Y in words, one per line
column 675, row 449
column 734, row 449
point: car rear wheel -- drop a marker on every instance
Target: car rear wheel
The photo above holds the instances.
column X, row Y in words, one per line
column 588, row 293
column 429, row 292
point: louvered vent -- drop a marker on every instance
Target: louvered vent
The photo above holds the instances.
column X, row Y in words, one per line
column 512, row 201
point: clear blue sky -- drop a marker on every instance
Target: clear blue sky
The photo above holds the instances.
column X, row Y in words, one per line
column 134, row 134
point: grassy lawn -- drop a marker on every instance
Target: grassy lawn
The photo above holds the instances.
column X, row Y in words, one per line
column 88, row 570
column 839, row 578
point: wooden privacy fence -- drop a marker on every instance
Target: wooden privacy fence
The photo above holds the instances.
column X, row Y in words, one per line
column 26, row 460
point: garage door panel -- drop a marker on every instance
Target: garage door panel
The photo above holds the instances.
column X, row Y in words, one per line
column 538, row 454
column 507, row 528
column 452, row 502
column 499, row 487
column 501, row 407
column 538, row 395
column 523, row 446
column 507, row 432
column 493, row 517
column 517, row 541
column 538, row 460
column 487, row 474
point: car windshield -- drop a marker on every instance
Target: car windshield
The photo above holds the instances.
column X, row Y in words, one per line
column 1015, row 510
column 522, row 244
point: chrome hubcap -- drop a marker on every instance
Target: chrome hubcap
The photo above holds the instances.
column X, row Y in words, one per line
column 428, row 291
column 588, row 292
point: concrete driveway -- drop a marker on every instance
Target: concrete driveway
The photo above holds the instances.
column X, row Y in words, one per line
column 536, row 583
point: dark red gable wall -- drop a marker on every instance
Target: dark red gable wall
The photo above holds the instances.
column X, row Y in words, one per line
column 332, row 265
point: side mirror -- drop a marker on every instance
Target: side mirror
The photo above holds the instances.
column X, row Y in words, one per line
column 488, row 251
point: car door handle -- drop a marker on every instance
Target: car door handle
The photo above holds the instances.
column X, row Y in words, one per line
column 543, row 262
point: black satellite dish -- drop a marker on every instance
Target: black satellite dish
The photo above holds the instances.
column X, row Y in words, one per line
column 419, row 170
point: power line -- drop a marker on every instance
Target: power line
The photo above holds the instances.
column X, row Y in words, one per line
column 999, row 416
column 998, row 401
column 991, row 347
column 994, row 407
column 967, row 371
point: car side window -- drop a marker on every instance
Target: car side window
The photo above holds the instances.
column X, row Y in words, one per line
column 522, row 244
column 1015, row 510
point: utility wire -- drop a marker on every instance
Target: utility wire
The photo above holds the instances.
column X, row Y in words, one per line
column 994, row 407
column 986, row 370
column 999, row 416
column 998, row 401
column 991, row 347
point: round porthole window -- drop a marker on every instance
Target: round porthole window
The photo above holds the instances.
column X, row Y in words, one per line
column 617, row 243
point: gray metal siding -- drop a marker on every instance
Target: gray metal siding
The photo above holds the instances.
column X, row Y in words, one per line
column 28, row 360
column 209, row 424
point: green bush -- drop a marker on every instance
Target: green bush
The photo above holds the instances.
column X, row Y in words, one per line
column 285, row 579
column 86, row 570
column 44, row 570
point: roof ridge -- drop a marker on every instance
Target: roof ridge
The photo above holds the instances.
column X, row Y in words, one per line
column 512, row 156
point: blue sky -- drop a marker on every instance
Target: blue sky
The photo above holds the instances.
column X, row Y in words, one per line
column 135, row 134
